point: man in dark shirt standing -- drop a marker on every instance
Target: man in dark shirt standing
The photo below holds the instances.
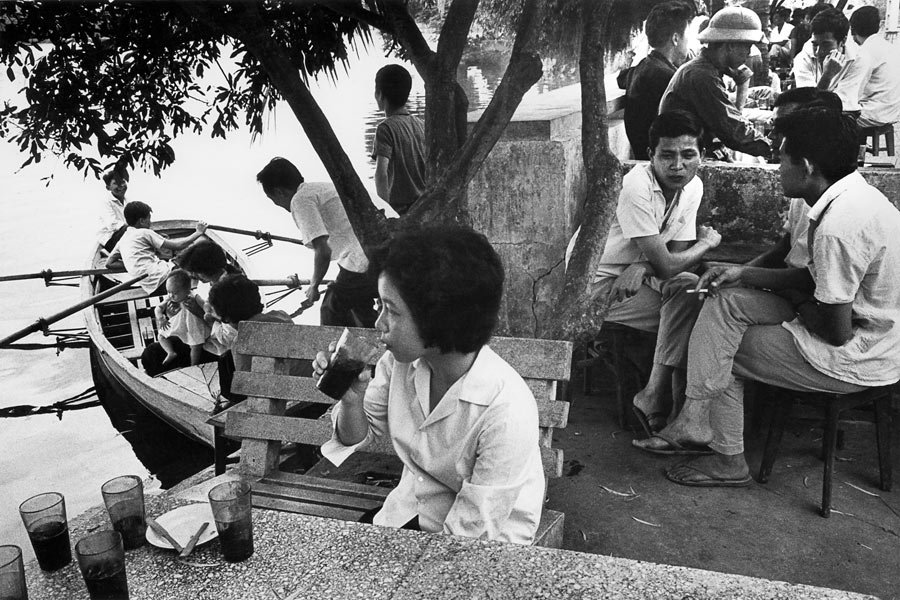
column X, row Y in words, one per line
column 666, row 30
column 697, row 85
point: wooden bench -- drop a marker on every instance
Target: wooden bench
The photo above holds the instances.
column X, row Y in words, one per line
column 262, row 425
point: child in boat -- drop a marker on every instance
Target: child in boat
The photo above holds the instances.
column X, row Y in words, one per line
column 139, row 251
column 463, row 422
column 181, row 316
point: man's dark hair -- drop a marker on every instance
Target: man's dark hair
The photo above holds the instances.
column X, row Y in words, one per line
column 205, row 258
column 865, row 21
column 452, row 281
column 675, row 123
column 135, row 211
column 235, row 298
column 279, row 173
column 115, row 173
column 831, row 21
column 180, row 277
column 810, row 97
column 394, row 82
column 797, row 15
column 828, row 140
column 815, row 9
column 667, row 19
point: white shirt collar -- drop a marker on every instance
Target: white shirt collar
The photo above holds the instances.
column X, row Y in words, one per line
column 837, row 188
column 478, row 385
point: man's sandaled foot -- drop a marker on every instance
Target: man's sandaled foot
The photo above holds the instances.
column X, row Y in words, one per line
column 659, row 443
column 650, row 422
column 694, row 475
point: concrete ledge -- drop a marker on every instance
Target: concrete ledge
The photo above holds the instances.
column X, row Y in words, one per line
column 297, row 556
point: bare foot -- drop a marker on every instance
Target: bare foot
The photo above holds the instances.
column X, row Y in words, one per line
column 718, row 470
column 686, row 434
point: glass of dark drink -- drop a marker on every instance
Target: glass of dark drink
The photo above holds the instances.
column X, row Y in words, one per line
column 12, row 574
column 45, row 521
column 124, row 499
column 101, row 558
column 351, row 355
column 231, row 504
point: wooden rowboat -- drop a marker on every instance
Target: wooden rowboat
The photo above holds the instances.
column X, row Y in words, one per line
column 121, row 326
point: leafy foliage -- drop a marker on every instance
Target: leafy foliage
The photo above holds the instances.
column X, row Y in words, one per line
column 118, row 80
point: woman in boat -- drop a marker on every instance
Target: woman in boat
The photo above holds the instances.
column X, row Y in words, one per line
column 233, row 299
column 207, row 262
column 461, row 419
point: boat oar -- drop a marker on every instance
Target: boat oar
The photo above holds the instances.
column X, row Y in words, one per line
column 48, row 274
column 41, row 324
column 260, row 235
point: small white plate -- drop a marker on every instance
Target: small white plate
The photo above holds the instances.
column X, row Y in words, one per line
column 182, row 523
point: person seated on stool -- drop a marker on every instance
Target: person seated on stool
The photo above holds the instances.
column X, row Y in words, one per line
column 835, row 329
column 879, row 101
column 654, row 241
column 829, row 63
column 463, row 422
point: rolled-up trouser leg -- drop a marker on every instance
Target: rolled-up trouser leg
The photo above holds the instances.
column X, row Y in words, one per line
column 768, row 354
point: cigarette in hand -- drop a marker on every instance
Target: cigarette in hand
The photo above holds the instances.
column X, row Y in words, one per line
column 700, row 291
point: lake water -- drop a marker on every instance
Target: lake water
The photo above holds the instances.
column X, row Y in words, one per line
column 50, row 223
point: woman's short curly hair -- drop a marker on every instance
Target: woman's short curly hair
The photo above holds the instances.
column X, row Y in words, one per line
column 235, row 298
column 452, row 281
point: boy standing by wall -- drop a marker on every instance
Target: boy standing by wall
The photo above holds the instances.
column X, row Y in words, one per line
column 399, row 147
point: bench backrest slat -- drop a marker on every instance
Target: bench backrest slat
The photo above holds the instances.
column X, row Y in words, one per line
column 551, row 413
column 538, row 359
column 275, row 348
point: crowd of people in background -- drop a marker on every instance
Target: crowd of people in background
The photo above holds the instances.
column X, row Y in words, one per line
column 729, row 87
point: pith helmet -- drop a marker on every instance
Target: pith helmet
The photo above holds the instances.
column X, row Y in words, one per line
column 733, row 24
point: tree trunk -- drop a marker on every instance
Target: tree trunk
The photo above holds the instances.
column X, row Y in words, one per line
column 579, row 315
column 247, row 26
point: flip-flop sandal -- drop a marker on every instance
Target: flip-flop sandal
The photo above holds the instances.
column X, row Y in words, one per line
column 647, row 420
column 710, row 481
column 675, row 448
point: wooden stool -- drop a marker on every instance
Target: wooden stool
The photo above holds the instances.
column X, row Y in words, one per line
column 834, row 405
column 628, row 352
column 875, row 133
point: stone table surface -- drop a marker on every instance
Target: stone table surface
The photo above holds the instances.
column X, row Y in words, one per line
column 297, row 556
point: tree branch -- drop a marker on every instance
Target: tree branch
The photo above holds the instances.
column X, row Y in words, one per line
column 524, row 70
column 579, row 315
column 247, row 25
column 454, row 35
column 352, row 9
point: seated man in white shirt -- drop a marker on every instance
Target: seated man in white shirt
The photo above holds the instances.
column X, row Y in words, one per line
column 462, row 420
column 112, row 224
column 652, row 242
column 140, row 247
column 880, row 99
column 829, row 63
column 835, row 329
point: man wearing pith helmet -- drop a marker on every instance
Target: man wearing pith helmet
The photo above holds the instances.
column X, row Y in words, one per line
column 697, row 86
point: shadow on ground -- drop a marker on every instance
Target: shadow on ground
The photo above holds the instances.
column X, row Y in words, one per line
column 768, row 530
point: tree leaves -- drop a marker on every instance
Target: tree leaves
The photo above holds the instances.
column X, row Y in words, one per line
column 119, row 80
